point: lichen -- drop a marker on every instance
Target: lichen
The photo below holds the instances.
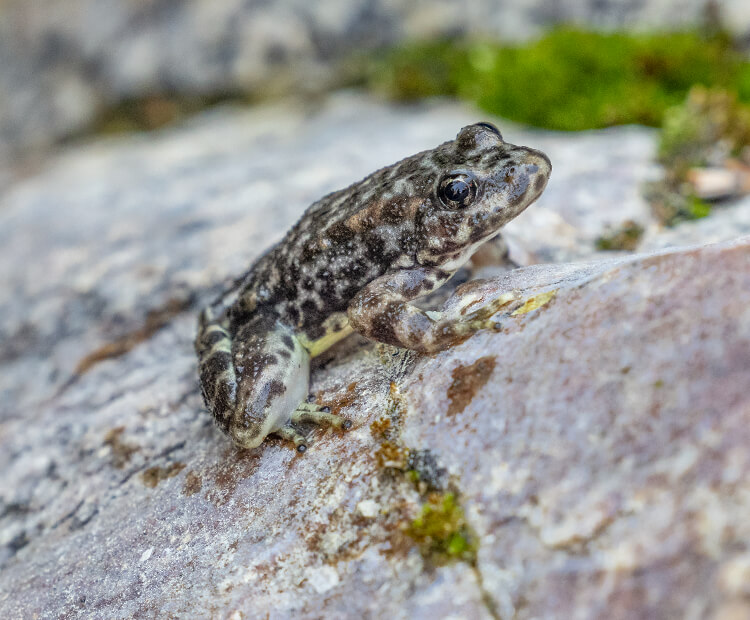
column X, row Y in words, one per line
column 121, row 450
column 390, row 453
column 535, row 302
column 425, row 472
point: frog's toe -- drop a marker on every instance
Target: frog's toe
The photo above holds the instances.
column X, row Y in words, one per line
column 320, row 415
column 287, row 433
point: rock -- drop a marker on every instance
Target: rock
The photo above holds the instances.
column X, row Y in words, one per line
column 88, row 54
column 587, row 458
column 726, row 221
column 714, row 183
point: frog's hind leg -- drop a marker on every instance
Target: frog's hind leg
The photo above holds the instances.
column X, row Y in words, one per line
column 217, row 373
column 322, row 416
column 252, row 380
column 255, row 383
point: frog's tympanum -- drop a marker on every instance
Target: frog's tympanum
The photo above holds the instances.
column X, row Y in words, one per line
column 354, row 262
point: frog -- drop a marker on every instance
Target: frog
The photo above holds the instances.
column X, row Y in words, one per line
column 356, row 261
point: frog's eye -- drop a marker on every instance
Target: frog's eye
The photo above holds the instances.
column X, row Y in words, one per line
column 457, row 190
column 490, row 127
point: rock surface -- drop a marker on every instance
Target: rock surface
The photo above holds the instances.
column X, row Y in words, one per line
column 61, row 61
column 588, row 458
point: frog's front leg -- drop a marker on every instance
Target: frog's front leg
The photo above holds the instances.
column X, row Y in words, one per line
column 255, row 384
column 381, row 311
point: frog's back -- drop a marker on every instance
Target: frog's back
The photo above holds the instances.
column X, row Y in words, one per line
column 342, row 242
column 391, row 220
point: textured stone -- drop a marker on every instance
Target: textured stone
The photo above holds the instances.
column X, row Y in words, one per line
column 595, row 443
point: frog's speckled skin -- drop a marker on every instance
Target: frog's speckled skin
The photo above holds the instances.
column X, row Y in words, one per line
column 353, row 262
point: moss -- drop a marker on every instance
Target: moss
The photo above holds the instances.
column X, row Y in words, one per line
column 710, row 126
column 390, row 453
column 625, row 237
column 441, row 530
column 569, row 79
column 674, row 202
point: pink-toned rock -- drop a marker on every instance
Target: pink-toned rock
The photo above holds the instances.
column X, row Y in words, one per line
column 587, row 459
column 597, row 443
column 605, row 462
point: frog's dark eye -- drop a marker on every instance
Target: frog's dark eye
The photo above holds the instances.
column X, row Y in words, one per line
column 457, row 190
column 490, row 127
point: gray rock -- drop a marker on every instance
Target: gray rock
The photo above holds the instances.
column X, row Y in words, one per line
column 594, row 445
column 61, row 62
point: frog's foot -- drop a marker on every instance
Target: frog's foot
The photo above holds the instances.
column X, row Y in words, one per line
column 320, row 415
column 289, row 433
column 485, row 316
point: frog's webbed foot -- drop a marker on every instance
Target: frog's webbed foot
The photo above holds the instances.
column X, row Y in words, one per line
column 310, row 413
column 381, row 311
column 289, row 433
column 320, row 415
column 485, row 316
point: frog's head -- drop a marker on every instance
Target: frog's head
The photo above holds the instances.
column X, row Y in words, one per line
column 484, row 183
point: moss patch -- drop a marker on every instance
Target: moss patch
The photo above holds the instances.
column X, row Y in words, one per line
column 569, row 79
column 441, row 530
column 625, row 237
column 710, row 128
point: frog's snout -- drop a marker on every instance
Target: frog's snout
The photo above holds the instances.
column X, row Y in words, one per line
column 538, row 168
column 537, row 163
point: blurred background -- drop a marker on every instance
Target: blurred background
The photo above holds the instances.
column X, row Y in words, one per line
column 71, row 68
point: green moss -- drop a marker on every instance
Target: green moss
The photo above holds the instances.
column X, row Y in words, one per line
column 709, row 128
column 705, row 129
column 696, row 209
column 413, row 475
column 441, row 530
column 569, row 79
column 626, row 237
column 673, row 202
